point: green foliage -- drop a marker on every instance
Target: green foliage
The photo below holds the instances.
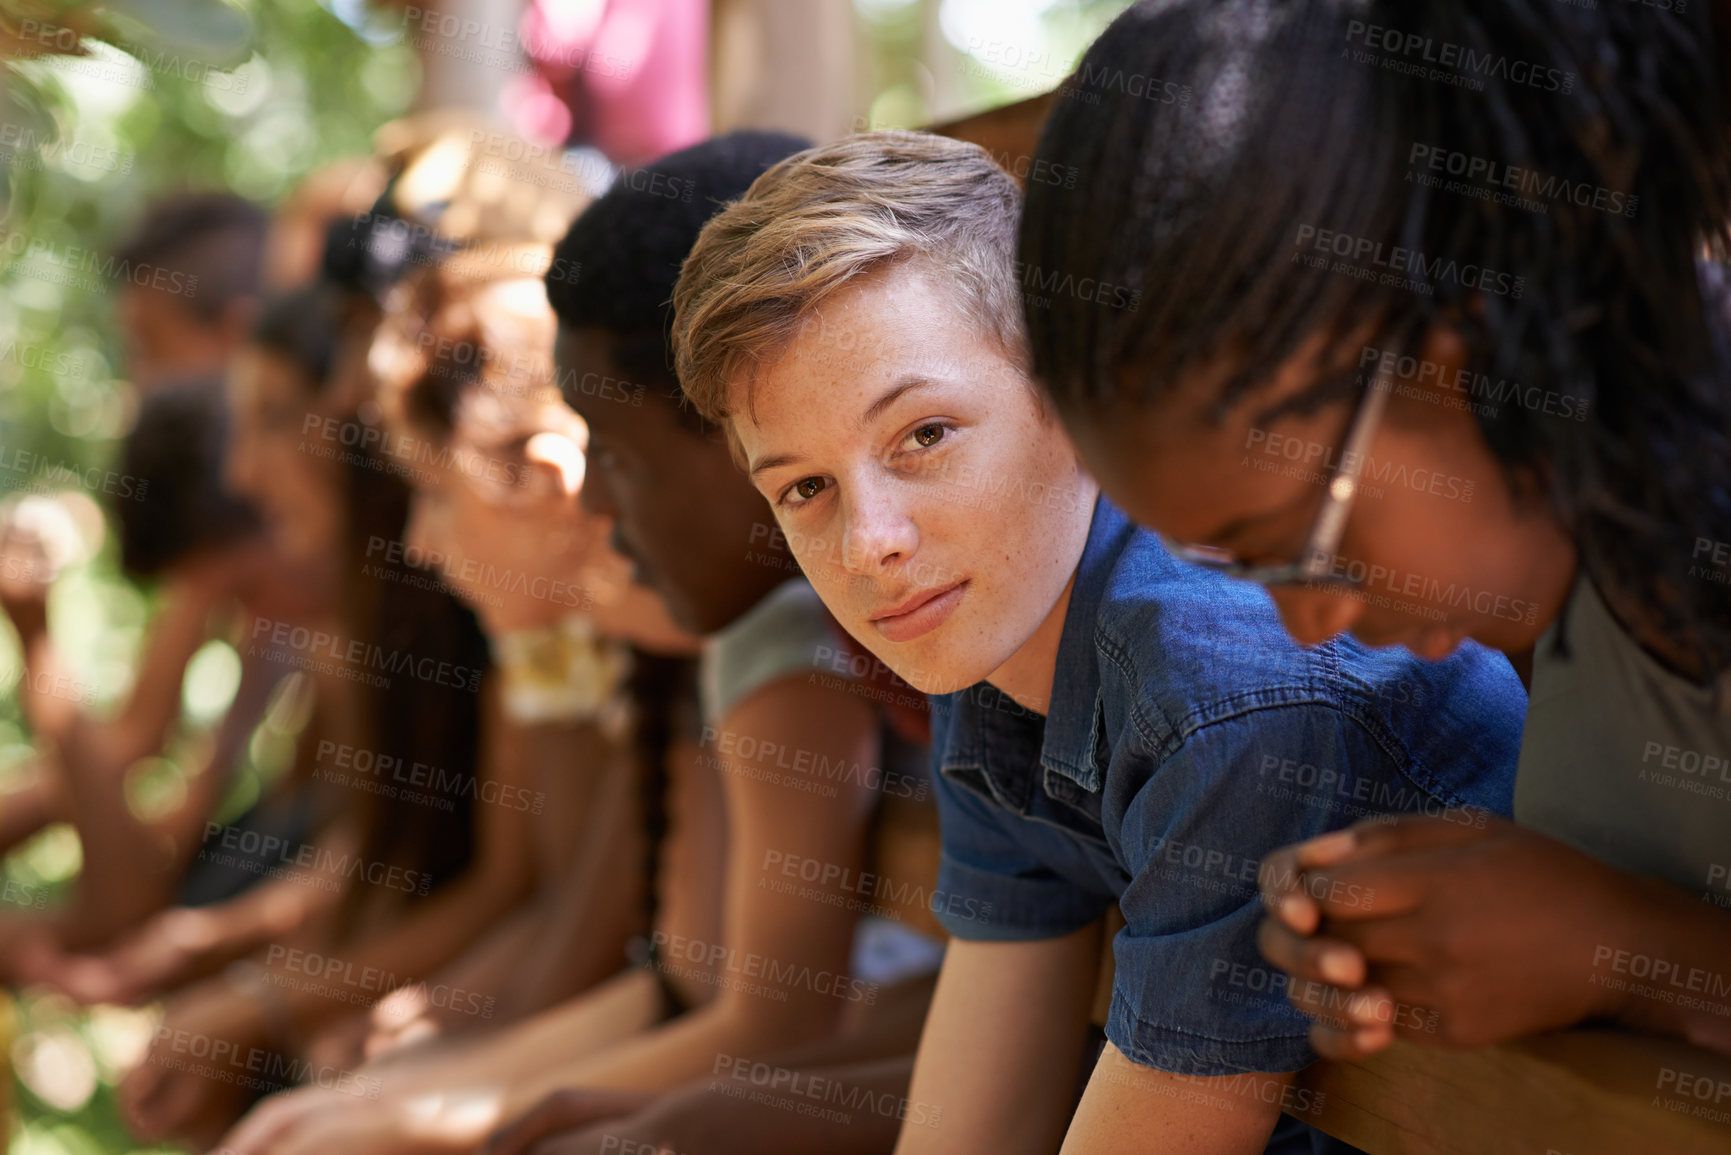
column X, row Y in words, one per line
column 205, row 95
column 306, row 90
column 247, row 96
column 1012, row 50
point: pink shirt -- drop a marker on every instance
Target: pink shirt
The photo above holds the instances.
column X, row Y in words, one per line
column 630, row 77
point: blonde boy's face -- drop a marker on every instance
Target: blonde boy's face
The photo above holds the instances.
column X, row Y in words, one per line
column 936, row 508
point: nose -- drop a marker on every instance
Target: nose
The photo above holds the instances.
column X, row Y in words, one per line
column 1314, row 616
column 877, row 533
column 422, row 534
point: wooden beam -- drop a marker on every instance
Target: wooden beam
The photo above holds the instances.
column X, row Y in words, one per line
column 1010, row 133
column 1582, row 1092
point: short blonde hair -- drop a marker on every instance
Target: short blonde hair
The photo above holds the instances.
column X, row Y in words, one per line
column 826, row 216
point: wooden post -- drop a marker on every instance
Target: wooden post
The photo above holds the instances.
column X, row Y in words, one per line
column 1581, row 1092
column 783, row 64
column 468, row 52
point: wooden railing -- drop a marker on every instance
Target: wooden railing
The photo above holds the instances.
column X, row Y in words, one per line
column 1583, row 1092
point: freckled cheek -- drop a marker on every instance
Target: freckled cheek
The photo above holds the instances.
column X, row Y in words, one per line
column 805, row 540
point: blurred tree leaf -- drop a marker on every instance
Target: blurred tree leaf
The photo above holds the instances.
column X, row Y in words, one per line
column 30, row 28
column 278, row 90
column 210, row 31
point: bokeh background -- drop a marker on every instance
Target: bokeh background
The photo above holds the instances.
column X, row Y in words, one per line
column 250, row 96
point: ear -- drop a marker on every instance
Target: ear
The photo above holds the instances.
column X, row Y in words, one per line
column 556, row 464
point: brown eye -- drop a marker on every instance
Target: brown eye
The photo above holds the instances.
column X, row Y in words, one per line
column 809, row 488
column 928, row 435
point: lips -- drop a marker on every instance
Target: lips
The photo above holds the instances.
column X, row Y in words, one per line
column 920, row 614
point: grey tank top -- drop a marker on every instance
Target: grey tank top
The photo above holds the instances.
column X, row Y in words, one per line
column 1625, row 760
column 785, row 633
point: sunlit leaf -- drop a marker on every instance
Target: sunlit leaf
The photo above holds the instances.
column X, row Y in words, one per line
column 57, row 1066
column 210, row 32
column 212, row 678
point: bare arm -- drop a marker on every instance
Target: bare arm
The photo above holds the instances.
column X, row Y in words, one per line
column 439, row 927
column 1133, row 1109
column 572, row 936
column 599, row 1042
column 258, row 679
column 1002, row 1043
column 1669, row 924
column 756, row 1110
column 596, row 902
column 141, row 727
column 768, row 931
column 136, row 876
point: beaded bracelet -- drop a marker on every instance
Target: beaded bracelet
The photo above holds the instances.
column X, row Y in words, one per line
column 566, row 672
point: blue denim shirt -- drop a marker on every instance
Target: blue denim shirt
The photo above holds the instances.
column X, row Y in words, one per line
column 1188, row 736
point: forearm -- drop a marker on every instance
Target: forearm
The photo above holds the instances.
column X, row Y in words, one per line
column 258, row 679
column 469, row 1084
column 275, row 910
column 677, row 1052
column 489, row 971
column 416, row 944
column 48, row 695
column 28, row 808
column 1132, row 1108
column 1003, row 1043
column 890, row 1029
column 594, row 905
column 573, row 944
column 185, row 826
column 153, row 706
column 1686, row 988
column 854, row 1109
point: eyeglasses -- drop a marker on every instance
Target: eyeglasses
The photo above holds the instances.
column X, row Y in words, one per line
column 1315, row 563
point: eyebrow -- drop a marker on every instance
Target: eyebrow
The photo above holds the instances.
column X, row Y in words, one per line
column 872, row 413
column 890, row 397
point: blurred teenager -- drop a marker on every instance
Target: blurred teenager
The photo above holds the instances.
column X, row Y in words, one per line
column 312, row 455
column 1512, row 395
column 465, row 361
column 193, row 267
column 389, row 885
column 1110, row 725
column 796, row 763
column 217, row 571
column 190, row 294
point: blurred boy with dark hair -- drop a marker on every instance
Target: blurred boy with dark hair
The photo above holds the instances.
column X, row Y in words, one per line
column 178, row 327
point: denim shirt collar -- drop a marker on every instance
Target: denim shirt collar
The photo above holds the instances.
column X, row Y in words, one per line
column 992, row 736
column 1072, row 721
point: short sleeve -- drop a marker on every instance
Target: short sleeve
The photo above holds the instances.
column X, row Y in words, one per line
column 1192, row 995
column 992, row 887
column 786, row 633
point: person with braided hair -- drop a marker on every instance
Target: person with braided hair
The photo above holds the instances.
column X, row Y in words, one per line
column 1428, row 338
column 591, row 665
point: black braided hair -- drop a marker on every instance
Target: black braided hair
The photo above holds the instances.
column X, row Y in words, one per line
column 1208, row 133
